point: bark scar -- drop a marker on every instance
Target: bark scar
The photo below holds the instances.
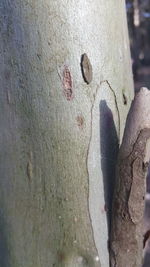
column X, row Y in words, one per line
column 86, row 68
column 67, row 83
column 30, row 167
column 29, row 170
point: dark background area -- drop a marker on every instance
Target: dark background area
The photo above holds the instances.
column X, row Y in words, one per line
column 138, row 14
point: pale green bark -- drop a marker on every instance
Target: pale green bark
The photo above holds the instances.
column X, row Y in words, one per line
column 51, row 182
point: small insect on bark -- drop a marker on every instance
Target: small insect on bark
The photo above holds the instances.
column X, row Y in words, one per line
column 86, row 68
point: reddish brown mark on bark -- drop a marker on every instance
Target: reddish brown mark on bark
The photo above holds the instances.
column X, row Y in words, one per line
column 80, row 121
column 67, row 84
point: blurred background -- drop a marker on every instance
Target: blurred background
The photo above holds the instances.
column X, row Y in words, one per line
column 138, row 15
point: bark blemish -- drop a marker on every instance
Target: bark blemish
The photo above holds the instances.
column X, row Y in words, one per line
column 125, row 101
column 61, row 256
column 29, row 170
column 80, row 121
column 86, row 69
column 67, row 84
column 30, row 167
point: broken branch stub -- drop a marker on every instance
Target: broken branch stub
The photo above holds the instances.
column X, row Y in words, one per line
column 126, row 241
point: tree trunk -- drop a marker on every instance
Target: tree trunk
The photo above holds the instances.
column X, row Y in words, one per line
column 65, row 94
column 129, row 197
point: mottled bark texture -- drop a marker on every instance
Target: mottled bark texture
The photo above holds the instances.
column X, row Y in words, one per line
column 128, row 205
column 63, row 82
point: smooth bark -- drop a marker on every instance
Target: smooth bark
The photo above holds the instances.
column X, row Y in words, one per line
column 63, row 67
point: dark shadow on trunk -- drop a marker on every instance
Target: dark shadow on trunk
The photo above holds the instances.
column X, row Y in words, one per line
column 109, row 151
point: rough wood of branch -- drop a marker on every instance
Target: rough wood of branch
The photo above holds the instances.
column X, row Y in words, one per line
column 126, row 244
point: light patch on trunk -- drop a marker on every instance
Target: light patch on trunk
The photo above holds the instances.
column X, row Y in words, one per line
column 96, row 186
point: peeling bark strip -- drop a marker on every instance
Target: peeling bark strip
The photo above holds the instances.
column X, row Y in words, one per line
column 128, row 206
column 67, row 83
column 86, row 68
